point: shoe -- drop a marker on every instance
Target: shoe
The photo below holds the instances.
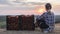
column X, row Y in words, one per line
column 51, row 31
column 45, row 31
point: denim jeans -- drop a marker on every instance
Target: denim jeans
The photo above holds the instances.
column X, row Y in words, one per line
column 50, row 29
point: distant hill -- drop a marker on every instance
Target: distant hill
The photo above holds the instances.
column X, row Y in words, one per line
column 2, row 21
column 57, row 18
column 2, row 18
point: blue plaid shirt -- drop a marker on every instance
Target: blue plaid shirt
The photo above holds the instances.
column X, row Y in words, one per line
column 49, row 18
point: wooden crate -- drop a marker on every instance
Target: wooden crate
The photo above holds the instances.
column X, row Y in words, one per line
column 12, row 23
column 27, row 22
column 22, row 22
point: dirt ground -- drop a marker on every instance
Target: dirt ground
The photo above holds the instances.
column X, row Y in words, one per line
column 37, row 31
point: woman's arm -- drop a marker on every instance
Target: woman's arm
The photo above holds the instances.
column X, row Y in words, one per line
column 39, row 17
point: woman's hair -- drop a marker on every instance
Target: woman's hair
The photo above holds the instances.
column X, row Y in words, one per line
column 48, row 6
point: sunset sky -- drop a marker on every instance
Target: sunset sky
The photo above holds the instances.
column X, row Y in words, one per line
column 13, row 7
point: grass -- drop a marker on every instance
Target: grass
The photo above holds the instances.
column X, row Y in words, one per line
column 2, row 24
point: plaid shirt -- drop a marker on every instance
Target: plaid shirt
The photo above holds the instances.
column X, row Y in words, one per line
column 49, row 18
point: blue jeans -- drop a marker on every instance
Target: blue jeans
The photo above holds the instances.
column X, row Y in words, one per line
column 51, row 28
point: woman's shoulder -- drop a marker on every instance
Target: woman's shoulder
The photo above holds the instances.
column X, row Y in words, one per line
column 45, row 12
column 52, row 13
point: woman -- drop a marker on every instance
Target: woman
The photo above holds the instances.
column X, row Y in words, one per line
column 48, row 16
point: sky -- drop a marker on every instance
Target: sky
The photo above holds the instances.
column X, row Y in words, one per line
column 14, row 7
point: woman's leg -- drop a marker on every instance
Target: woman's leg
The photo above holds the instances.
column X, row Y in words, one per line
column 51, row 28
column 46, row 30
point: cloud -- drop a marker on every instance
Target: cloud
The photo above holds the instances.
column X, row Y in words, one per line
column 8, row 7
column 15, row 3
column 53, row 1
column 3, row 2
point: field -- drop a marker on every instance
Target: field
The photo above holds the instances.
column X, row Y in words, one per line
column 37, row 30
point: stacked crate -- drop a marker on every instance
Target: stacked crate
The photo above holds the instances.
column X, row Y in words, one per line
column 12, row 23
column 22, row 22
column 27, row 22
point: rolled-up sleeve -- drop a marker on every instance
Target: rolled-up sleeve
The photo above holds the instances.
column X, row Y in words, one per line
column 40, row 16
